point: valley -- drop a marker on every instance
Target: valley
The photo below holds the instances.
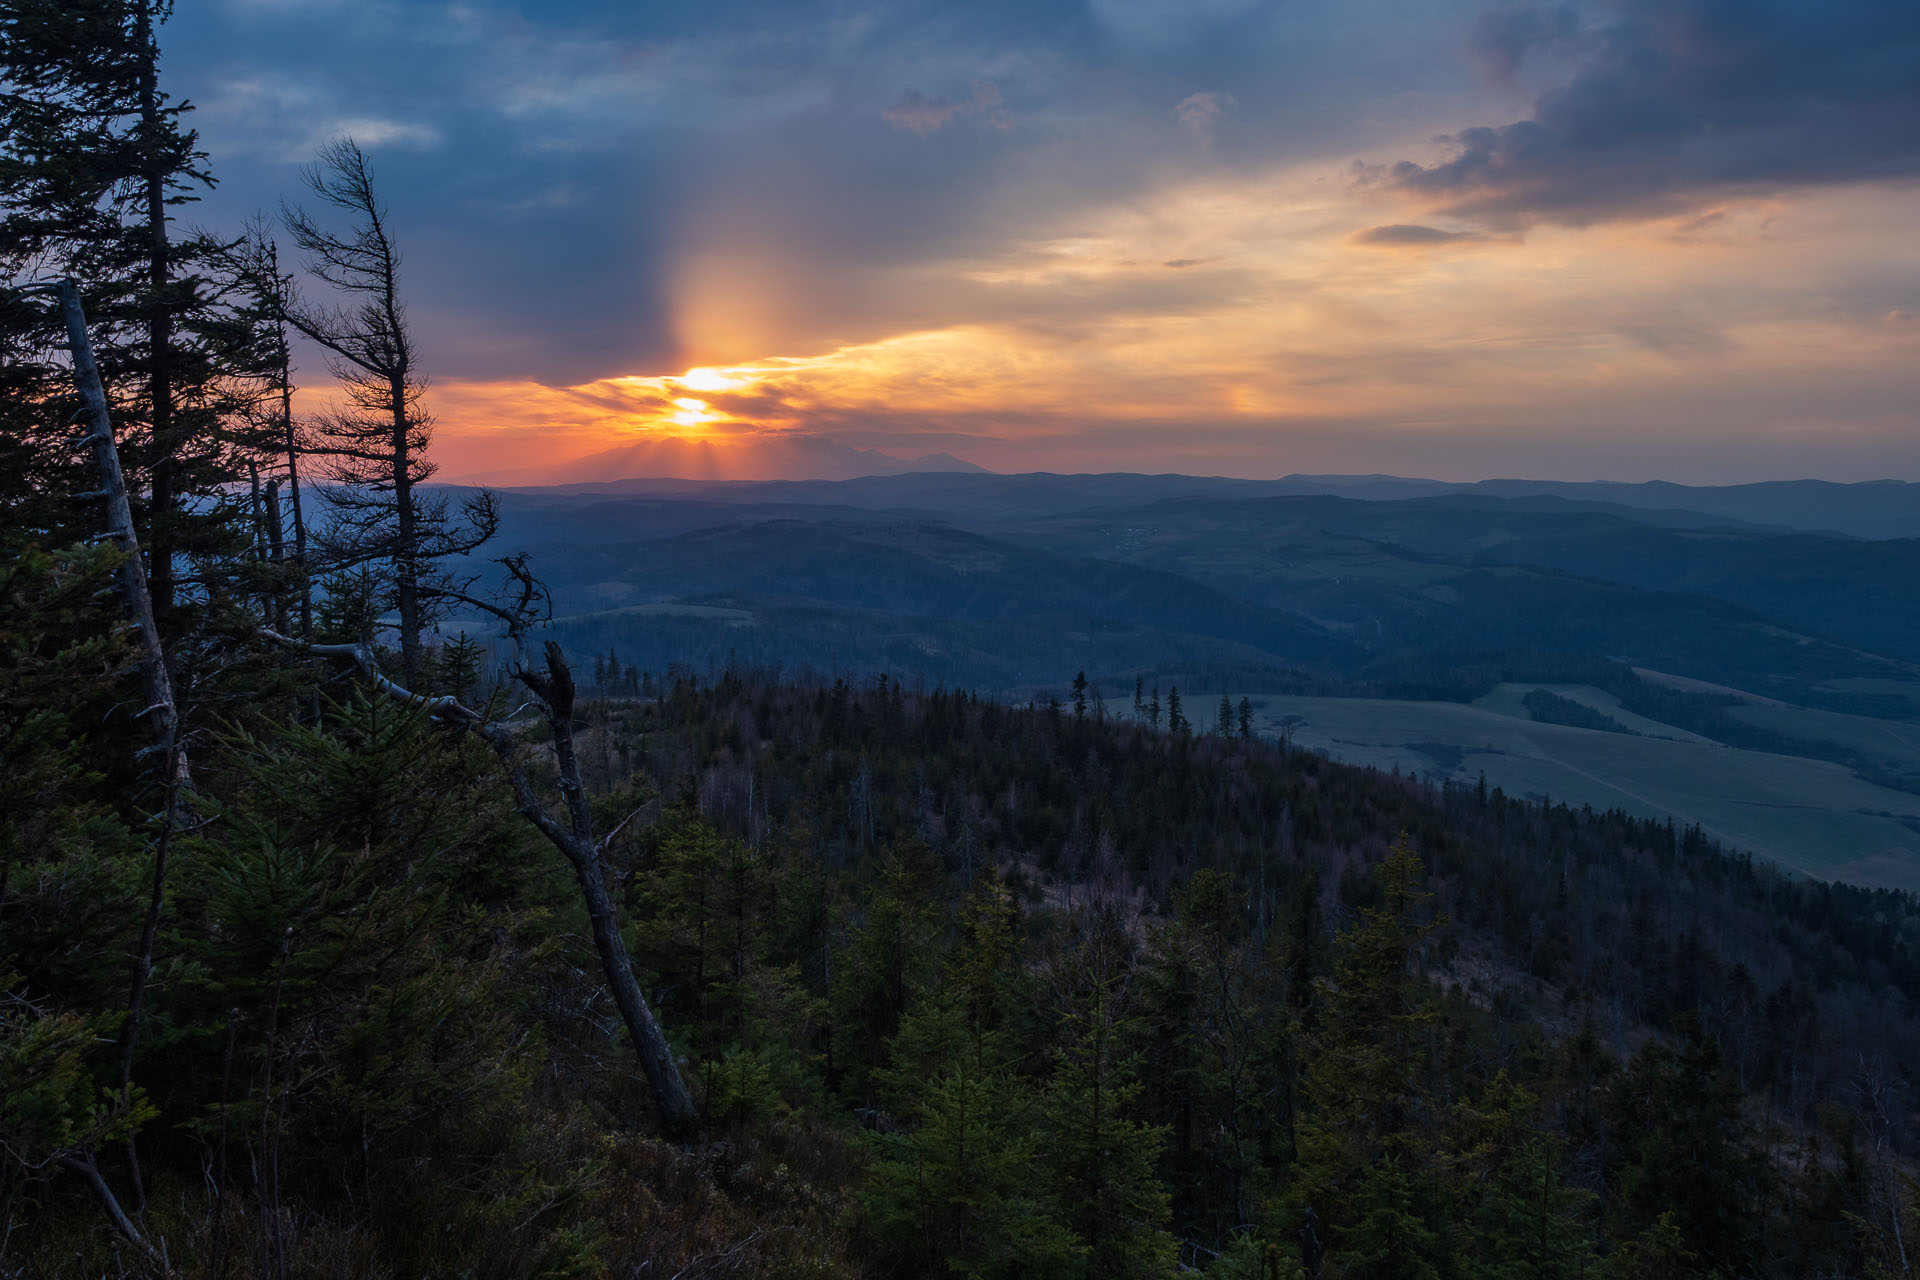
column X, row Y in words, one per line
column 1743, row 666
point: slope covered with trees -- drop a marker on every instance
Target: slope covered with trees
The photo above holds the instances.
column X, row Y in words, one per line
column 330, row 948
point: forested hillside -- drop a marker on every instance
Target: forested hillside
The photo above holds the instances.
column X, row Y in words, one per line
column 958, row 988
column 335, row 942
column 1765, row 642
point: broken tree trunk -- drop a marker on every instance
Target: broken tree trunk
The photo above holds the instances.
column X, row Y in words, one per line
column 160, row 709
column 679, row 1118
column 575, row 840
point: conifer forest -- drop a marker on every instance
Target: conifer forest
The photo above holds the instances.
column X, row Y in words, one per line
column 338, row 940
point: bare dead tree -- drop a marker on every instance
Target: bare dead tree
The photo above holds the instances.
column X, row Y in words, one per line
column 575, row 840
column 253, row 261
column 521, row 603
column 375, row 445
column 161, row 710
column 572, row 834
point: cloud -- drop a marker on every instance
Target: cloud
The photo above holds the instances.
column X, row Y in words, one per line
column 374, row 134
column 732, row 188
column 1503, row 37
column 1199, row 112
column 1676, row 103
column 287, row 120
column 1409, row 235
column 636, row 189
column 915, row 112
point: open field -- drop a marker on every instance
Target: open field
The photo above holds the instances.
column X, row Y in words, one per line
column 665, row 610
column 1508, row 700
column 1809, row 815
column 1894, row 742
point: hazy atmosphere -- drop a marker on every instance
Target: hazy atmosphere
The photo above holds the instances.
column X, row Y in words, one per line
column 736, row 240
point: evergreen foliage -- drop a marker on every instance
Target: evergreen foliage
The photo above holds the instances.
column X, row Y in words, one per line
column 959, row 989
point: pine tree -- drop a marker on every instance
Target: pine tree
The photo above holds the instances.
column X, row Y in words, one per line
column 1223, row 718
column 93, row 156
column 459, row 667
column 702, row 912
column 257, row 350
column 1529, row 1225
column 375, row 448
column 1659, row 1253
column 958, row 1193
column 1683, row 1148
column 885, row 968
column 1368, row 1131
column 349, row 608
column 1099, row 1157
column 72, row 882
column 1216, row 1073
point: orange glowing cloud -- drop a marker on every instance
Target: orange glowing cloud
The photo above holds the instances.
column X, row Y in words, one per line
column 1259, row 326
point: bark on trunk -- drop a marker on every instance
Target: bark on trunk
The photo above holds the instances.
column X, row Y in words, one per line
column 160, row 709
column 678, row 1115
column 277, row 553
column 161, row 535
column 293, row 448
column 679, row 1118
column 177, row 779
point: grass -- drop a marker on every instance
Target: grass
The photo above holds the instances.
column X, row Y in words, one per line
column 1509, row 700
column 1895, row 742
column 662, row 610
column 1809, row 815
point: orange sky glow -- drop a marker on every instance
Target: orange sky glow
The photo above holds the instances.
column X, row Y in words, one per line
column 1250, row 317
column 1609, row 239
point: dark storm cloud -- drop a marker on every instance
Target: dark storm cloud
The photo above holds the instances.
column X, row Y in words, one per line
column 1673, row 103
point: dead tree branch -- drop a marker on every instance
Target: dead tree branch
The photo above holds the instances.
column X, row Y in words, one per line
column 573, row 838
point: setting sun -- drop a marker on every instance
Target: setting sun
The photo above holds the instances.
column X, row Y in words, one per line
column 692, row 412
column 710, row 380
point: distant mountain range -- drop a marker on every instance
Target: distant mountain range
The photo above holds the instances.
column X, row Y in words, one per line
column 949, row 488
column 722, row 458
column 1745, row 656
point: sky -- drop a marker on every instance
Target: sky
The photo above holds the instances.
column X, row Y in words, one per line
column 1624, row 239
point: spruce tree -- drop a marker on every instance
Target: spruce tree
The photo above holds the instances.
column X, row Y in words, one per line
column 94, row 156
column 1100, row 1158
column 1367, row 1134
column 459, row 667
column 886, row 967
column 959, row 1192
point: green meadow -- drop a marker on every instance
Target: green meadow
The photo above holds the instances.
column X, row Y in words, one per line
column 1813, row 816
